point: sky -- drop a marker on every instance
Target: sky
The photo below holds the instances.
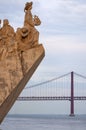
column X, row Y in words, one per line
column 62, row 33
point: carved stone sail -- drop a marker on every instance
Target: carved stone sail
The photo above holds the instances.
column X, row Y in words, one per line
column 20, row 54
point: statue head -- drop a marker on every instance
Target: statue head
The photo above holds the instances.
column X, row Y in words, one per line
column 5, row 22
column 28, row 5
column 0, row 21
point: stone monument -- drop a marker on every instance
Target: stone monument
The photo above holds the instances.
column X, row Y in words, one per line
column 20, row 54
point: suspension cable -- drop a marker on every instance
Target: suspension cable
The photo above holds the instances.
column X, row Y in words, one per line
column 47, row 81
column 80, row 75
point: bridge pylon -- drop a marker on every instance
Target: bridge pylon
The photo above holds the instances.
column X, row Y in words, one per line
column 72, row 95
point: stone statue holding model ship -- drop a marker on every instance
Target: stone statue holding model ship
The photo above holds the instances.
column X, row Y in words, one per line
column 20, row 54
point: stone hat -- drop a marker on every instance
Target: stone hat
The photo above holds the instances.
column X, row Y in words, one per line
column 28, row 5
column 24, row 32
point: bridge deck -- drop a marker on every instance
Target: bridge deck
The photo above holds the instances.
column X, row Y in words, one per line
column 50, row 98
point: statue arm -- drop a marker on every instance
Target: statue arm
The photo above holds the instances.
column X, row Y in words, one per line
column 29, row 19
column 37, row 21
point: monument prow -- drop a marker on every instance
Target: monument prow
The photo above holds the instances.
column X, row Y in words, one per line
column 20, row 55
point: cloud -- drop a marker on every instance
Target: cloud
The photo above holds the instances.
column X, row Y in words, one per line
column 65, row 43
column 63, row 17
column 57, row 16
column 63, row 53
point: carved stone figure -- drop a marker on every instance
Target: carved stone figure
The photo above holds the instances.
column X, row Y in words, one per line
column 24, row 39
column 31, row 22
column 20, row 54
column 7, row 39
column 0, row 23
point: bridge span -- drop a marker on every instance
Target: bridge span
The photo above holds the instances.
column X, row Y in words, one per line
column 49, row 98
column 71, row 87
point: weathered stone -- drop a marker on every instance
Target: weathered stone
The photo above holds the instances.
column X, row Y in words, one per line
column 20, row 54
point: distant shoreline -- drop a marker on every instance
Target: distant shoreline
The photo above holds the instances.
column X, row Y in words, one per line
column 47, row 116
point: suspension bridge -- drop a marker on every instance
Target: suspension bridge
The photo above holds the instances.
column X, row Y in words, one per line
column 71, row 86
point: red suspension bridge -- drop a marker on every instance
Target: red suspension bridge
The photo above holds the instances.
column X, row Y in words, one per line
column 71, row 86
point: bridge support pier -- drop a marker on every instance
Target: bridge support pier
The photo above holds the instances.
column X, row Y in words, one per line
column 72, row 95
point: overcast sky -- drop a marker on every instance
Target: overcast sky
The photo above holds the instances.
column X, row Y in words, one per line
column 62, row 32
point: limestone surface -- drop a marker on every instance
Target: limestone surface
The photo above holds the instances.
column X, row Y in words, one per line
column 20, row 54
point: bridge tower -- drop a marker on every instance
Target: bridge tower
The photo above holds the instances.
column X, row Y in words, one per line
column 72, row 95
